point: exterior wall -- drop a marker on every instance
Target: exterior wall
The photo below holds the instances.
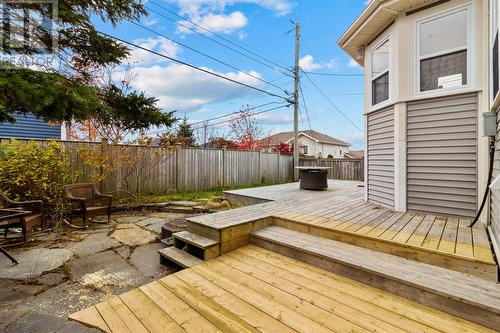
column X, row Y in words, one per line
column 380, row 157
column 30, row 127
column 324, row 148
column 495, row 195
column 403, row 94
column 442, row 155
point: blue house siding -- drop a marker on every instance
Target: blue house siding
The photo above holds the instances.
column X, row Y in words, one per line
column 28, row 126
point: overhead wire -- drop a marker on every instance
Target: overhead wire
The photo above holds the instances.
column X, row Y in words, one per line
column 305, row 105
column 331, row 102
column 287, row 71
column 205, row 55
column 192, row 66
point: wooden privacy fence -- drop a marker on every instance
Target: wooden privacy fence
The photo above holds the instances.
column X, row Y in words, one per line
column 343, row 169
column 146, row 170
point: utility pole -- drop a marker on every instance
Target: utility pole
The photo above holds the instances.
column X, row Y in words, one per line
column 296, row 104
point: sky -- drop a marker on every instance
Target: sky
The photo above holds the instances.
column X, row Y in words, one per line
column 262, row 27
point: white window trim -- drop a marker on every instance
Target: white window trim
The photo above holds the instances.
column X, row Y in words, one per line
column 493, row 31
column 471, row 54
column 372, row 78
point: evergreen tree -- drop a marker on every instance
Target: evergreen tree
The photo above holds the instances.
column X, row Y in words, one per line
column 185, row 134
column 66, row 93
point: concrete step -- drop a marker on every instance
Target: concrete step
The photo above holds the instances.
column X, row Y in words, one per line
column 460, row 294
column 181, row 258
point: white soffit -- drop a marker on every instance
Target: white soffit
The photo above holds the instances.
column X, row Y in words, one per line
column 374, row 18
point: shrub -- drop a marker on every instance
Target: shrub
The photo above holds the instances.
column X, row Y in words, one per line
column 330, row 156
column 34, row 171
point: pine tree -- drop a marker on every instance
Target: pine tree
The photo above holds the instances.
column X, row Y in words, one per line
column 71, row 92
column 185, row 134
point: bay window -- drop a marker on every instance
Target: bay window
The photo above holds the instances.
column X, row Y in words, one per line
column 443, row 51
column 380, row 73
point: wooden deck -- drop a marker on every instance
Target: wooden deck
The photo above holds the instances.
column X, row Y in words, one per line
column 255, row 290
column 341, row 214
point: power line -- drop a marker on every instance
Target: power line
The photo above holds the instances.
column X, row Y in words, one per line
column 305, row 106
column 251, row 114
column 193, row 66
column 334, row 74
column 331, row 102
column 205, row 55
column 219, row 36
column 221, row 116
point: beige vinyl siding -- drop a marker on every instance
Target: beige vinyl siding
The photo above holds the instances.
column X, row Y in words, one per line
column 495, row 195
column 381, row 157
column 442, row 155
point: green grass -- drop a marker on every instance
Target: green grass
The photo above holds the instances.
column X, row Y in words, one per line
column 186, row 196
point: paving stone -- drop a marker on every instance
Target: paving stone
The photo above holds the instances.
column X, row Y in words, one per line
column 168, row 215
column 125, row 226
column 52, row 279
column 33, row 263
column 94, row 243
column 134, row 236
column 123, row 251
column 35, row 322
column 183, row 203
column 9, row 314
column 30, row 289
column 64, row 299
column 74, row 327
column 106, row 272
column 150, row 220
column 8, row 295
column 129, row 218
column 146, row 259
column 156, row 227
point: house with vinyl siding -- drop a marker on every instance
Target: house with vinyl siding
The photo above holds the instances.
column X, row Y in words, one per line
column 28, row 126
column 431, row 71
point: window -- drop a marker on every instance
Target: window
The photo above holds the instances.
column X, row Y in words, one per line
column 380, row 73
column 443, row 52
column 305, row 150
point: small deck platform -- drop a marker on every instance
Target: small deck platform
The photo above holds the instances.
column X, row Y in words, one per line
column 256, row 290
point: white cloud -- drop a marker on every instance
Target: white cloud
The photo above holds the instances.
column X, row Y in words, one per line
column 178, row 86
column 353, row 63
column 275, row 119
column 308, row 64
column 160, row 45
column 211, row 15
column 217, row 22
column 150, row 21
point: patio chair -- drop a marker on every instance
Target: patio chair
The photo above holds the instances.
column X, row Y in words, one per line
column 88, row 202
column 27, row 223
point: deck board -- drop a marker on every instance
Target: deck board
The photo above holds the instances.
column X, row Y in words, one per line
column 255, row 290
column 342, row 209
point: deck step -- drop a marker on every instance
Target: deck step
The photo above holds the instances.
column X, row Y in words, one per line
column 179, row 257
column 194, row 239
column 457, row 293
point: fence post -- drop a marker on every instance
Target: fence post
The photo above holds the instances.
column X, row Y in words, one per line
column 279, row 157
column 104, row 150
column 260, row 167
column 177, row 174
column 224, row 148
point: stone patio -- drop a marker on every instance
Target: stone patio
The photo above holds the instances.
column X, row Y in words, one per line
column 64, row 272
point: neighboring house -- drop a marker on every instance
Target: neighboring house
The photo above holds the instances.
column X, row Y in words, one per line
column 355, row 154
column 311, row 143
column 431, row 71
column 29, row 127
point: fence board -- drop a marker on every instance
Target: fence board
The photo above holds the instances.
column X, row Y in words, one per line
column 343, row 169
